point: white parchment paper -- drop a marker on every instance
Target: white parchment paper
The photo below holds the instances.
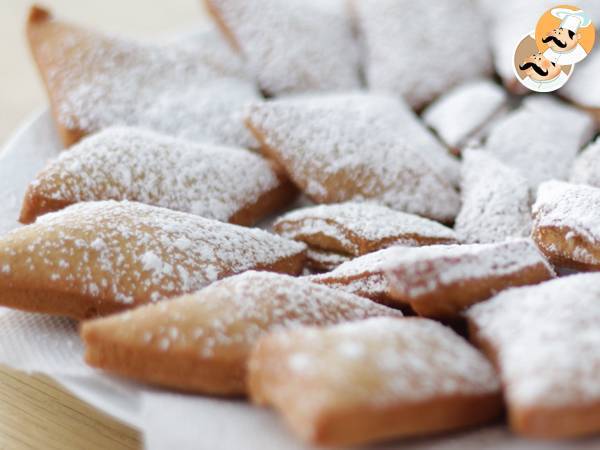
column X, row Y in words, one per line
column 38, row 343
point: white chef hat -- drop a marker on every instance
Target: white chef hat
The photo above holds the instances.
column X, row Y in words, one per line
column 572, row 20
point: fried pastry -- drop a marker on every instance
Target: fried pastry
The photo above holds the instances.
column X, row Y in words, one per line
column 566, row 224
column 382, row 378
column 544, row 340
column 586, row 168
column 364, row 276
column 201, row 342
column 93, row 259
column 405, row 57
column 440, row 281
column 95, row 81
column 358, row 228
column 541, row 138
column 496, row 201
column 346, row 147
column 291, row 45
column 139, row 165
column 324, row 261
column 462, row 115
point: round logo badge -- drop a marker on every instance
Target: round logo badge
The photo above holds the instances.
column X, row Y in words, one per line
column 545, row 59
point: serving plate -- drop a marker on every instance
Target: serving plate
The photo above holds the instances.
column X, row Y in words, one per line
column 24, row 155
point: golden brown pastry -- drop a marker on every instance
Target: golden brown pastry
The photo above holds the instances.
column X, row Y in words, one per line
column 95, row 81
column 93, row 259
column 201, row 342
column 544, row 340
column 359, row 228
column 358, row 147
column 364, row 276
column 372, row 380
column 566, row 224
column 143, row 166
column 440, row 281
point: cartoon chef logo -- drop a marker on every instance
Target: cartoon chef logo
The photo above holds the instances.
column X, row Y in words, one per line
column 567, row 33
column 545, row 59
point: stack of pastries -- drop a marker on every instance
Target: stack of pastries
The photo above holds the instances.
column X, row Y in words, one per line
column 286, row 207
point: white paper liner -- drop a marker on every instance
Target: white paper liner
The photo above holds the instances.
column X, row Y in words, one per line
column 198, row 423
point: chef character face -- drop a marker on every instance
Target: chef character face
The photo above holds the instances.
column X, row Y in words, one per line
column 538, row 68
column 562, row 40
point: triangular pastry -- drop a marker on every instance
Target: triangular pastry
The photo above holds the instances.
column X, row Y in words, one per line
column 566, row 224
column 93, row 259
column 496, row 200
column 544, row 341
column 358, row 228
column 420, row 52
column 364, row 276
column 143, row 166
column 373, row 380
column 586, row 168
column 95, row 81
column 324, row 261
column 541, row 138
column 441, row 281
column 201, row 342
column 345, row 147
column 462, row 115
column 292, row 46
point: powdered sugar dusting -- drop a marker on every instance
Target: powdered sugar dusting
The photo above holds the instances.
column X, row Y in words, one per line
column 376, row 362
column 235, row 312
column 128, row 252
column 459, row 115
column 364, row 275
column 134, row 164
column 405, row 57
column 351, row 147
column 586, row 168
column 320, row 260
column 573, row 208
column 495, row 200
column 293, row 45
column 350, row 224
column 535, row 140
column 546, row 341
column 99, row 81
column 418, row 271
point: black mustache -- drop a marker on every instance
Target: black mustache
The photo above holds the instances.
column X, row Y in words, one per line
column 556, row 41
column 535, row 67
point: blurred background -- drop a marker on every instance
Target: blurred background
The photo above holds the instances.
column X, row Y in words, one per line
column 21, row 91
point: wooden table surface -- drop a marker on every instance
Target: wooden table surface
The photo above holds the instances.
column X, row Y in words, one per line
column 35, row 413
